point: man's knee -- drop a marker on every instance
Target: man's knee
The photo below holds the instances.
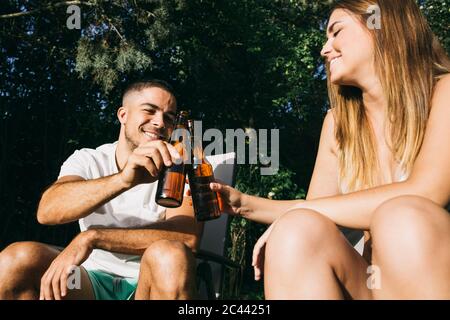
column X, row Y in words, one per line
column 168, row 254
column 21, row 265
column 22, row 259
column 171, row 265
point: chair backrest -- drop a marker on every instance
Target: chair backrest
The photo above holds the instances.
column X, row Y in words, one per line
column 215, row 231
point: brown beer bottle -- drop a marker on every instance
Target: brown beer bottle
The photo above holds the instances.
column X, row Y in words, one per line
column 200, row 174
column 172, row 179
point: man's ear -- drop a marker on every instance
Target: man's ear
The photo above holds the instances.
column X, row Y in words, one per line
column 122, row 114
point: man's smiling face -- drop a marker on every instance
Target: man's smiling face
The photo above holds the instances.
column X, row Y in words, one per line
column 147, row 115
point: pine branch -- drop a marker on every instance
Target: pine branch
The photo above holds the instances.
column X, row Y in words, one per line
column 113, row 27
column 49, row 7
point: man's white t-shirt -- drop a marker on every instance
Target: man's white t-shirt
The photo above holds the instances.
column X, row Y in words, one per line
column 135, row 208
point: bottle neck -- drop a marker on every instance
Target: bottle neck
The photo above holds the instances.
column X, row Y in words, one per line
column 198, row 154
column 180, row 135
column 197, row 149
column 180, row 123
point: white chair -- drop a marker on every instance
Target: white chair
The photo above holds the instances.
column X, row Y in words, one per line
column 355, row 238
column 211, row 255
column 359, row 246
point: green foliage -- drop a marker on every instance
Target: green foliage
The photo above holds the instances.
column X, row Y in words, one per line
column 278, row 187
column 122, row 37
column 437, row 12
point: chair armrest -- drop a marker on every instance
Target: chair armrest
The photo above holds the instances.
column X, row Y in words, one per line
column 209, row 256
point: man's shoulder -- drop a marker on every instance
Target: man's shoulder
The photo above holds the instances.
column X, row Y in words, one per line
column 106, row 149
column 100, row 156
column 91, row 163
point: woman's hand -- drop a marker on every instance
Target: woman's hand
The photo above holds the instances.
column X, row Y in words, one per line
column 259, row 253
column 230, row 199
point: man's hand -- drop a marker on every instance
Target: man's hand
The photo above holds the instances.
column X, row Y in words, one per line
column 147, row 160
column 54, row 281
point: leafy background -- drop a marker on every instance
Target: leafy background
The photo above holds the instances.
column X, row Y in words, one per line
column 234, row 64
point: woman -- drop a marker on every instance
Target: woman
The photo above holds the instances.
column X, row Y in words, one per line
column 382, row 167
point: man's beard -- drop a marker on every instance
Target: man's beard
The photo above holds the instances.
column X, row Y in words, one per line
column 130, row 141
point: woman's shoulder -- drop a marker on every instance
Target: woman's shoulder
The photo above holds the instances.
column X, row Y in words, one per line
column 441, row 97
column 330, row 117
column 328, row 130
column 442, row 86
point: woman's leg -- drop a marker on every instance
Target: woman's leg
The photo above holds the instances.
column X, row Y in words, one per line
column 411, row 247
column 307, row 257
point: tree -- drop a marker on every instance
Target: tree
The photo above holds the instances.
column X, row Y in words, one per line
column 235, row 64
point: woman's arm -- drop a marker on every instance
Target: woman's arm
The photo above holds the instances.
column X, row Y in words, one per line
column 430, row 178
column 324, row 181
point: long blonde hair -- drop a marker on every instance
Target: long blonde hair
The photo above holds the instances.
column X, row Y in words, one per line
column 408, row 60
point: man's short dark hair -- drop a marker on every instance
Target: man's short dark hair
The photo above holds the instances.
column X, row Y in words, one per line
column 151, row 83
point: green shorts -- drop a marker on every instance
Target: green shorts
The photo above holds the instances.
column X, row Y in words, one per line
column 111, row 287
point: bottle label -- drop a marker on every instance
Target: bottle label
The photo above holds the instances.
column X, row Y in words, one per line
column 204, row 199
column 171, row 187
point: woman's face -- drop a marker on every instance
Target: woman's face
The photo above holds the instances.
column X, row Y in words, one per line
column 348, row 50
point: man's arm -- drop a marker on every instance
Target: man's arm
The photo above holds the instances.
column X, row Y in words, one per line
column 180, row 225
column 72, row 198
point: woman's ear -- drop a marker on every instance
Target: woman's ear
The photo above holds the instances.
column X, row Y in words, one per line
column 122, row 114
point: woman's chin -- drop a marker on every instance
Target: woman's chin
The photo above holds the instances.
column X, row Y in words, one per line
column 339, row 80
column 336, row 80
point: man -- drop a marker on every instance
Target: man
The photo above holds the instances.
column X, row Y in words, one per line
column 128, row 246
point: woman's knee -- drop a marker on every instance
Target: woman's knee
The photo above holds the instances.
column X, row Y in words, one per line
column 408, row 225
column 302, row 230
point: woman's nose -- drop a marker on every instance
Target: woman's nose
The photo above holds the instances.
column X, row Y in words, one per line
column 326, row 49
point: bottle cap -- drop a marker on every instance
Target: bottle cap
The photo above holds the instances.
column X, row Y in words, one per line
column 184, row 113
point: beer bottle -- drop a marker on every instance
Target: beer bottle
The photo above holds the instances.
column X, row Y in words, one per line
column 172, row 179
column 200, row 174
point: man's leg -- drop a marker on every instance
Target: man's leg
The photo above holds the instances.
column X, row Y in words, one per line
column 167, row 272
column 22, row 265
